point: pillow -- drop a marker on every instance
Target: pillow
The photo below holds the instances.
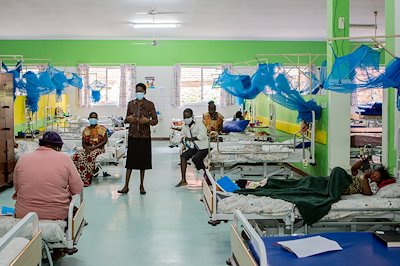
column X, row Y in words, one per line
column 389, row 191
column 235, row 126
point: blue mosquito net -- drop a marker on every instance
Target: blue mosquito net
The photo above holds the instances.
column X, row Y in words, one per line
column 95, row 96
column 365, row 62
column 276, row 84
column 75, row 80
column 270, row 79
column 36, row 86
column 58, row 78
column 18, row 82
column 95, row 88
column 240, row 86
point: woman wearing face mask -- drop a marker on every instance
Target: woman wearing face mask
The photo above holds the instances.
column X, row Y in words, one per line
column 141, row 114
column 195, row 139
column 94, row 137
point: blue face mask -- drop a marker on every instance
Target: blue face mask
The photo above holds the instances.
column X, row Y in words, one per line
column 93, row 121
column 139, row 95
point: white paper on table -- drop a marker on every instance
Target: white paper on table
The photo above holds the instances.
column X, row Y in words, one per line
column 305, row 247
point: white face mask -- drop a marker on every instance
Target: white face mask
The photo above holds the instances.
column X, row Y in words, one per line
column 139, row 95
column 188, row 120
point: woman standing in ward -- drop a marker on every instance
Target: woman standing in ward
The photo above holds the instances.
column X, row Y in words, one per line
column 141, row 114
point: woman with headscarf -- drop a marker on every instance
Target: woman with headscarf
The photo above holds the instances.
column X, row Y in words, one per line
column 45, row 180
column 94, row 138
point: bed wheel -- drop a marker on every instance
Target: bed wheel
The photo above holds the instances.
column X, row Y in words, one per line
column 225, row 221
column 228, row 261
column 71, row 251
column 213, row 223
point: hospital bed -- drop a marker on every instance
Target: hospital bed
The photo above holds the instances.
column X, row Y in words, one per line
column 114, row 150
column 17, row 250
column 246, row 148
column 352, row 211
column 248, row 248
column 366, row 141
column 56, row 234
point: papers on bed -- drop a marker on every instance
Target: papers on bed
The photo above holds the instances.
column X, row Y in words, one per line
column 305, row 247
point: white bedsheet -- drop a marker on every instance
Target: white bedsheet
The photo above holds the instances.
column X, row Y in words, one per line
column 12, row 250
column 245, row 151
column 52, row 231
column 268, row 206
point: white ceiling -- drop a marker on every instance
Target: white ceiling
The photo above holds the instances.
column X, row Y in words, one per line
column 203, row 19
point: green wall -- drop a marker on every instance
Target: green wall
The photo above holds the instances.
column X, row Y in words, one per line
column 72, row 52
column 286, row 115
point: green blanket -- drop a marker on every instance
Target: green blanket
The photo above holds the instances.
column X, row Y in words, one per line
column 313, row 195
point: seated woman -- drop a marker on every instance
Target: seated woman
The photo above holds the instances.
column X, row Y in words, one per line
column 238, row 116
column 367, row 181
column 212, row 119
column 45, row 180
column 94, row 137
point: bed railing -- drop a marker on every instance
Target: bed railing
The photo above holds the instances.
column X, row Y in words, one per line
column 31, row 217
column 241, row 226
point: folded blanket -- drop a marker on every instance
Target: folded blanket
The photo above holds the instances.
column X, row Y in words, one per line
column 313, row 195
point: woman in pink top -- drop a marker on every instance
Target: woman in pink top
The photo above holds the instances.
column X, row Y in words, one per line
column 45, row 180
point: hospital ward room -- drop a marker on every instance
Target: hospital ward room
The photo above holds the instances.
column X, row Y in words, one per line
column 201, row 133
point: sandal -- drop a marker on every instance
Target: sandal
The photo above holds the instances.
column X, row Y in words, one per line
column 122, row 191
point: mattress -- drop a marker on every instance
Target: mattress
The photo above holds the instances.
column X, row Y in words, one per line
column 366, row 130
column 362, row 139
column 12, row 250
column 251, row 204
column 52, row 231
column 253, row 151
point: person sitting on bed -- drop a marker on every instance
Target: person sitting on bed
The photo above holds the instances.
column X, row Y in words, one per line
column 212, row 119
column 45, row 180
column 366, row 181
column 195, row 141
column 238, row 116
column 94, row 138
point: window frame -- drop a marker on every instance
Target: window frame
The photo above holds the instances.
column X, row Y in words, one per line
column 90, row 73
column 202, row 102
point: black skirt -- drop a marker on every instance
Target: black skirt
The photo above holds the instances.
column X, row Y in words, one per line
column 139, row 154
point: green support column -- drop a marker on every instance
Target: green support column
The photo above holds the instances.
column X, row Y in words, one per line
column 338, row 13
column 389, row 130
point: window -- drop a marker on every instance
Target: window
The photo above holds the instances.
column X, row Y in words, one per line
column 110, row 77
column 299, row 78
column 364, row 96
column 196, row 85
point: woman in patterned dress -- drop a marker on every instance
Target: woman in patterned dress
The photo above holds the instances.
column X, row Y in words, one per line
column 94, row 137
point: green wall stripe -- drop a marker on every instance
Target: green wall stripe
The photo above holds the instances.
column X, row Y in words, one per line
column 169, row 52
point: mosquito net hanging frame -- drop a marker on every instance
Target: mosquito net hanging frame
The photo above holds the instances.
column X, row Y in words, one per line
column 311, row 59
column 372, row 38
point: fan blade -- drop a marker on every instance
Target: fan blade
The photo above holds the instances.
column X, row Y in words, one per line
column 141, row 43
column 169, row 12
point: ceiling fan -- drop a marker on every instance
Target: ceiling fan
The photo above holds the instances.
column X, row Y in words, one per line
column 154, row 12
column 153, row 41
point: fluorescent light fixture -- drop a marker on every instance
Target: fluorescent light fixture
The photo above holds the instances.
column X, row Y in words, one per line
column 154, row 25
